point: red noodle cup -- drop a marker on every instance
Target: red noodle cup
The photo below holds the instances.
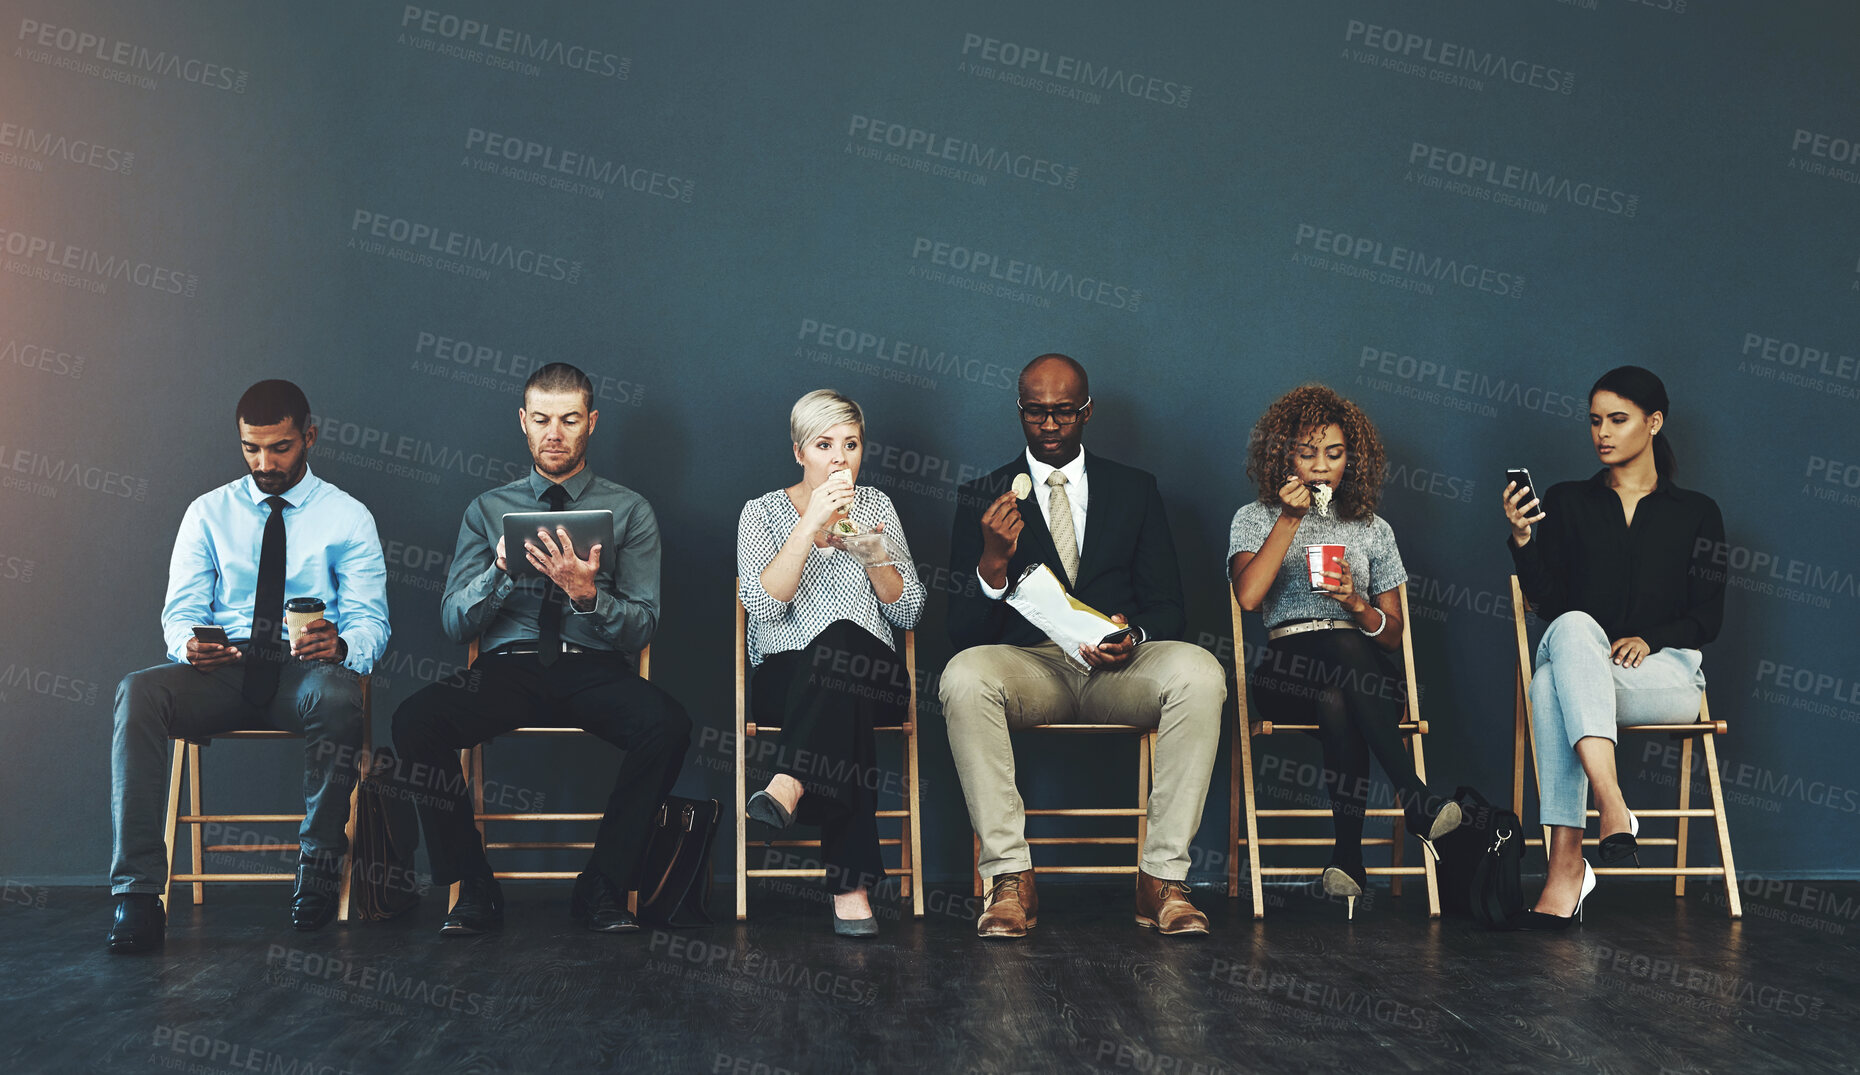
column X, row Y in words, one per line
column 1320, row 559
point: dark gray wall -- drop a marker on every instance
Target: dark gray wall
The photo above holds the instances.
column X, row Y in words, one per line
column 1256, row 195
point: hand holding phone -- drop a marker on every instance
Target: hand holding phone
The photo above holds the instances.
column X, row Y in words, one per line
column 210, row 648
column 1522, row 507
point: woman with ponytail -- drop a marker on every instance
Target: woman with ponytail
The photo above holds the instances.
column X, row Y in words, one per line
column 1620, row 567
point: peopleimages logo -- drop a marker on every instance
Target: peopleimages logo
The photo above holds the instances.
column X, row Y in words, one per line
column 400, row 455
column 1407, row 52
column 983, row 267
column 567, row 169
column 35, row 472
column 512, row 45
column 815, row 335
column 1070, row 75
column 51, row 145
column 1533, row 187
column 1368, row 255
column 436, row 246
column 134, row 63
column 1826, row 154
column 931, row 146
column 58, row 262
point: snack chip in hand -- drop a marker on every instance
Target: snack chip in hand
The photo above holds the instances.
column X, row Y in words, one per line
column 1320, row 498
column 1023, row 485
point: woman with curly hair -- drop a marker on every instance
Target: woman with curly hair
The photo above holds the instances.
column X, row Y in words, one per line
column 1319, row 466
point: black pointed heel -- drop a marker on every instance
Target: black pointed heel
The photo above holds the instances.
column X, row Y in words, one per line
column 1623, row 845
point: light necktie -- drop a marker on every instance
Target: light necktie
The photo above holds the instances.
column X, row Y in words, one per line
column 266, row 660
column 549, row 620
column 1065, row 538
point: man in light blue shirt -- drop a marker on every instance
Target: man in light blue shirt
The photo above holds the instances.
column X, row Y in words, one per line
column 279, row 533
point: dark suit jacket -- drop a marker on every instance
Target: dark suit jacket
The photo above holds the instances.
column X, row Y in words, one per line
column 1128, row 564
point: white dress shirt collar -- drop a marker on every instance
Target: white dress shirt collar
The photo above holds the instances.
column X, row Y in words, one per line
column 1074, row 471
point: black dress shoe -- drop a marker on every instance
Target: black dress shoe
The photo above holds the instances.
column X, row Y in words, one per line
column 479, row 909
column 318, row 892
column 140, row 924
column 601, row 907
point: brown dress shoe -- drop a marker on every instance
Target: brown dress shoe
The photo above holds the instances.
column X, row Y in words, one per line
column 1163, row 906
column 1013, row 906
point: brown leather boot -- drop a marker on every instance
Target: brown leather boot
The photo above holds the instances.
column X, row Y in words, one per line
column 1013, row 906
column 1163, row 906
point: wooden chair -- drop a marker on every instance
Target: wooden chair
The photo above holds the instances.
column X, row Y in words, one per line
column 1243, row 805
column 909, row 840
column 472, row 761
column 187, row 757
column 1705, row 730
column 1146, row 752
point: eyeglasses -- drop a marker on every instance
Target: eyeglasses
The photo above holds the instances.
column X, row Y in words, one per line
column 1064, row 416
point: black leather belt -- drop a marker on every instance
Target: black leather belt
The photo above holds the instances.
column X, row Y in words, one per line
column 532, row 646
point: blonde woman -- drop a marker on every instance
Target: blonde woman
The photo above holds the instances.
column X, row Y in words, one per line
column 826, row 577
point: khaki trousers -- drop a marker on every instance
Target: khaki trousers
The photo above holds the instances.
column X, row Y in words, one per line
column 1176, row 688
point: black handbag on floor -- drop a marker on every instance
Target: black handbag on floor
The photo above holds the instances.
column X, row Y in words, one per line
column 383, row 880
column 1481, row 862
column 674, row 881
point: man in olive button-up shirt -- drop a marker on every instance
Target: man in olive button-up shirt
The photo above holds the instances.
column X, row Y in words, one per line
column 555, row 650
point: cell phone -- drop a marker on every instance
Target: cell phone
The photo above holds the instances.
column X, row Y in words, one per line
column 212, row 633
column 1522, row 479
column 1114, row 637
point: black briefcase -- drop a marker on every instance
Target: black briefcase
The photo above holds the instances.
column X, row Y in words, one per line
column 1481, row 862
column 383, row 880
column 674, row 882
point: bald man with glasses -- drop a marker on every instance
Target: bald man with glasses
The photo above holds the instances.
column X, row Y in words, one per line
column 1099, row 526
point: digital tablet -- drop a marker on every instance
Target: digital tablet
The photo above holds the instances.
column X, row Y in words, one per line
column 585, row 529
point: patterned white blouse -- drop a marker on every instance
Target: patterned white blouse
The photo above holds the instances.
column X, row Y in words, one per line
column 833, row 584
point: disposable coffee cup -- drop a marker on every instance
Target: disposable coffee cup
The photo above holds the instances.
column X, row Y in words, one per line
column 301, row 612
column 1320, row 559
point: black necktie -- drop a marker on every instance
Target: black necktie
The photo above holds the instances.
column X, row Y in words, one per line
column 266, row 659
column 549, row 620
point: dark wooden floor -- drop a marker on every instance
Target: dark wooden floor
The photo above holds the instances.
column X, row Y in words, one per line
column 1651, row 984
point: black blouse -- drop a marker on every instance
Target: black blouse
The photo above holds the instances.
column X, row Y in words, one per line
column 1654, row 579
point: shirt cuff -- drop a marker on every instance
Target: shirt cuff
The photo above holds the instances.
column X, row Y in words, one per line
column 991, row 592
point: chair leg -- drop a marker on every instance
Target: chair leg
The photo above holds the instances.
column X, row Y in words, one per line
column 916, row 877
column 1146, row 742
column 975, row 868
column 1398, row 829
column 465, row 758
column 1234, row 756
column 1252, row 820
column 355, row 805
column 174, row 812
column 742, row 824
column 193, row 799
column 1685, row 823
column 1429, row 871
column 1732, row 900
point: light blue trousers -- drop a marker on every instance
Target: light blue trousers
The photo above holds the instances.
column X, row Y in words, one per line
column 1577, row 691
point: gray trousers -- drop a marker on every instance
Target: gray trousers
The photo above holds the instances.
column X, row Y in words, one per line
column 319, row 700
column 1176, row 688
column 1577, row 692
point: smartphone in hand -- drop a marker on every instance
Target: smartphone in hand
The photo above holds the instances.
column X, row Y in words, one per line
column 212, row 633
column 1521, row 478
